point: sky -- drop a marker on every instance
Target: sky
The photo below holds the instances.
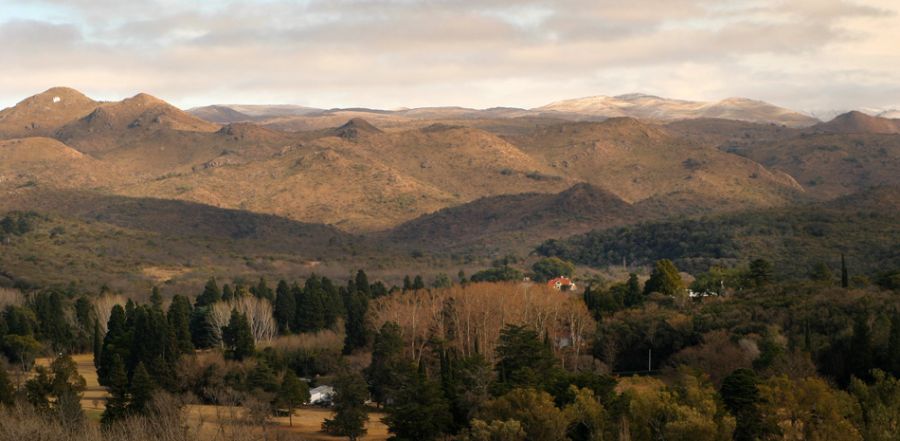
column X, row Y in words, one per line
column 809, row 55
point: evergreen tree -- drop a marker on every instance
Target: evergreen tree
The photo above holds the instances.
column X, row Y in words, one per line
column 664, row 279
column 156, row 300
column 741, row 397
column 310, row 315
column 204, row 333
column 210, row 294
column 407, row 283
column 349, row 405
column 97, row 344
column 116, row 343
column 262, row 290
column 117, row 402
column 227, row 293
column 332, row 302
column 845, row 278
column 418, row 283
column 292, row 393
column 141, row 390
column 262, row 378
column 362, row 283
column 285, row 307
column 633, row 295
column 388, row 365
column 419, row 411
column 861, row 348
column 461, row 276
column 237, row 337
column 179, row 318
column 524, row 360
column 357, row 334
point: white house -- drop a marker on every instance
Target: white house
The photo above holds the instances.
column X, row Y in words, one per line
column 321, row 395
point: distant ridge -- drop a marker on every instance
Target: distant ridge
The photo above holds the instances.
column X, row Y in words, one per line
column 44, row 113
column 652, row 107
column 858, row 122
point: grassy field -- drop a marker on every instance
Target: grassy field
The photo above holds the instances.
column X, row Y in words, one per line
column 208, row 420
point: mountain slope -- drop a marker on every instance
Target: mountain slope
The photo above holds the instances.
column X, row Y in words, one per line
column 858, row 122
column 509, row 222
column 43, row 114
column 43, row 162
column 638, row 161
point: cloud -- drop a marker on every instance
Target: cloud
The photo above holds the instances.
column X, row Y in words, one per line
column 390, row 53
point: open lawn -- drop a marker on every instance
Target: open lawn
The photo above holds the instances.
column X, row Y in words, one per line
column 208, row 420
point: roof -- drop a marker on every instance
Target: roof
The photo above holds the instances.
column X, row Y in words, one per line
column 560, row 280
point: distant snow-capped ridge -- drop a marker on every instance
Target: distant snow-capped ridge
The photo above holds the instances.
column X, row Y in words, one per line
column 645, row 106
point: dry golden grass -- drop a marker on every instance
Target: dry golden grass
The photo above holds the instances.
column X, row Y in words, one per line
column 208, row 420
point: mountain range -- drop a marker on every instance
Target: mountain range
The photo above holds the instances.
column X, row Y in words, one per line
column 447, row 182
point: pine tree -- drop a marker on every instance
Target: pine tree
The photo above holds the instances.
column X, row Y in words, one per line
column 350, row 414
column 861, row 348
column 741, row 396
column 292, row 393
column 179, row 317
column 237, row 337
column 7, row 393
column 285, row 309
column 845, row 278
column 156, row 300
column 262, row 290
column 204, row 333
column 419, row 411
column 760, row 273
column 227, row 293
column 332, row 302
column 633, row 294
column 407, row 283
column 210, row 294
column 357, row 334
column 310, row 315
column 418, row 283
column 97, row 344
column 362, row 283
column 117, row 402
column 116, row 342
column 141, row 390
column 388, row 364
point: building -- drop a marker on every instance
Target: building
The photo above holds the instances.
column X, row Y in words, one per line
column 321, row 395
column 562, row 284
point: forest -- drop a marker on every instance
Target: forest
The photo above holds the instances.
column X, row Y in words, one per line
column 733, row 353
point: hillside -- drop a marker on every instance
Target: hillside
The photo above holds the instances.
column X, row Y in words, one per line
column 131, row 243
column 511, row 222
column 638, row 161
column 858, row 122
column 863, row 226
column 30, row 163
column 43, row 114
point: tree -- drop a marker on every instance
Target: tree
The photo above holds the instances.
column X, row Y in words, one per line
column 894, row 345
column 262, row 290
column 362, row 283
column 97, row 344
column 551, row 267
column 388, row 364
column 141, row 390
column 60, row 382
column 587, row 416
column 237, row 337
column 861, row 356
column 179, row 318
column 760, row 273
column 633, row 295
column 524, row 360
column 821, row 273
column 418, row 410
column 509, row 430
column 357, row 333
column 285, row 307
column 741, row 397
column 350, row 415
column 664, row 279
column 204, row 332
column 310, row 316
column 210, row 294
column 845, row 278
column 879, row 403
column 807, row 409
column 540, row 418
column 292, row 393
column 418, row 283
column 156, row 300
column 117, row 403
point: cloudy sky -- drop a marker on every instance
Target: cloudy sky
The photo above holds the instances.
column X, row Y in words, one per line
column 806, row 54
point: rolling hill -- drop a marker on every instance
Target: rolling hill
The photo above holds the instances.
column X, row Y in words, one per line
column 43, row 114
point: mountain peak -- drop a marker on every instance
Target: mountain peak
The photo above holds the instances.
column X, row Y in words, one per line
column 859, row 122
column 354, row 127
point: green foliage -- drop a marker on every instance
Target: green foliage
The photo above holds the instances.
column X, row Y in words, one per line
column 741, row 397
column 141, row 390
column 210, row 294
column 117, row 386
column 285, row 309
column 497, row 274
column 551, row 267
column 350, row 414
column 7, row 392
column 179, row 317
column 540, row 418
column 418, row 410
column 524, row 360
column 292, row 393
column 237, row 337
column 664, row 279
column 388, row 366
column 760, row 273
column 879, row 405
column 204, row 333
